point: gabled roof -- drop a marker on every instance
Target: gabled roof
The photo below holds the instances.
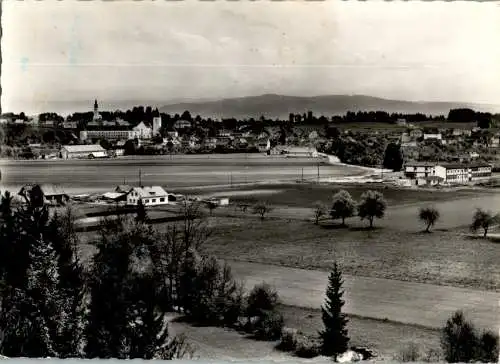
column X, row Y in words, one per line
column 141, row 125
column 150, row 191
column 83, row 148
column 123, row 188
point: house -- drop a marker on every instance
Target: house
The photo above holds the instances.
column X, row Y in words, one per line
column 142, row 131
column 69, row 124
column 182, row 124
column 52, row 194
column 224, row 134
column 150, row 196
column 463, row 173
column 494, row 142
column 419, row 170
column 405, row 138
column 460, row 132
column 121, row 122
column 173, row 134
column 210, row 143
column 83, row 151
column 416, row 133
column 313, row 135
column 433, row 136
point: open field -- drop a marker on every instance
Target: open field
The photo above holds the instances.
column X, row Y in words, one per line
column 385, row 338
column 307, row 194
column 85, row 176
column 421, row 304
column 442, row 257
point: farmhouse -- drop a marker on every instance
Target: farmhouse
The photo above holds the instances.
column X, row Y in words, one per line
column 82, row 151
column 150, row 196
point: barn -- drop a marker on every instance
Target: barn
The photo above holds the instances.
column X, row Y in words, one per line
column 83, row 151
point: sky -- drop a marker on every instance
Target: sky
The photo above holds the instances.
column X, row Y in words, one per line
column 57, row 54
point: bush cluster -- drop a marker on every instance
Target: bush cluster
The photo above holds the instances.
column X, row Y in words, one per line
column 296, row 342
column 462, row 342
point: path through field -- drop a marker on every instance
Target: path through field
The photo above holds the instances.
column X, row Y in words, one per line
column 406, row 302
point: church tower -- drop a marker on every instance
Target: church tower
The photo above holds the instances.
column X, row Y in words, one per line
column 96, row 110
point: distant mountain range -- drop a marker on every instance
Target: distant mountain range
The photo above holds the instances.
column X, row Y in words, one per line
column 279, row 106
column 270, row 105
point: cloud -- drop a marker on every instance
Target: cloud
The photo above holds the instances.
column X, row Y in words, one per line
column 162, row 50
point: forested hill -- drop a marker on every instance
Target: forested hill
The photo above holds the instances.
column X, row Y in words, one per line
column 279, row 106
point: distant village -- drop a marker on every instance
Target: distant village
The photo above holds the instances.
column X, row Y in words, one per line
column 461, row 148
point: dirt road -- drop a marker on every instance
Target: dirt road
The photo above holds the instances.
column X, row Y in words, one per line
column 406, row 302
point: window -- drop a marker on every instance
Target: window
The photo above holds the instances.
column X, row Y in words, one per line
column 153, row 200
column 162, row 199
column 146, row 201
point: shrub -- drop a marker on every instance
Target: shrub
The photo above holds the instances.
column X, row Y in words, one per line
column 269, row 326
column 488, row 347
column 409, row 353
column 288, row 340
column 432, row 356
column 458, row 340
column 307, row 348
column 261, row 209
column 262, row 298
column 216, row 298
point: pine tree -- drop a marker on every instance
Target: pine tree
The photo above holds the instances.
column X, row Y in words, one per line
column 107, row 318
column 142, row 215
column 61, row 232
column 30, row 307
column 334, row 337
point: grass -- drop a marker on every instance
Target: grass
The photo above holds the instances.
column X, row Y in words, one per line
column 441, row 257
column 305, row 195
column 384, row 337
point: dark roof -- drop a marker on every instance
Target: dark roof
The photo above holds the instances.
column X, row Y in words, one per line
column 420, row 164
column 123, row 188
column 460, row 165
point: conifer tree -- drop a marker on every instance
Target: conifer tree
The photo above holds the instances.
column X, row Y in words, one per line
column 30, row 307
column 334, row 339
column 142, row 215
column 71, row 287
